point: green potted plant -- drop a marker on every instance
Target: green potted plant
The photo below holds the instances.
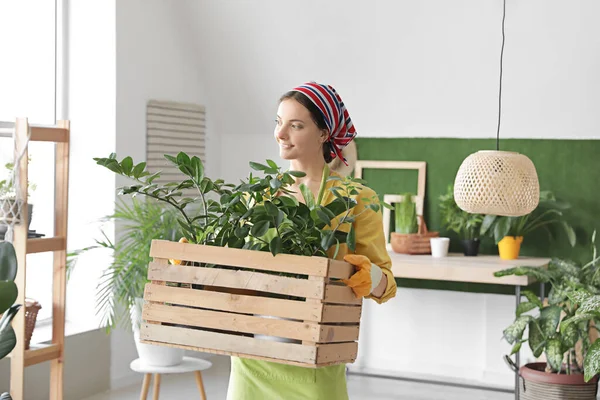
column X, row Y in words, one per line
column 8, row 296
column 508, row 232
column 121, row 288
column 405, row 215
column 9, row 207
column 558, row 329
column 466, row 225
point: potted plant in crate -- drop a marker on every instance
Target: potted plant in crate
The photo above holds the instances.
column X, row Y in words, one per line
column 560, row 330
column 466, row 225
column 260, row 215
column 121, row 287
column 508, row 232
column 8, row 295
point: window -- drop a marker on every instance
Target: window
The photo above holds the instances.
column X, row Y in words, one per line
column 29, row 41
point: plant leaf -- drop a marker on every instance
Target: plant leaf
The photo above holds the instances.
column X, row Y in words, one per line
column 8, row 295
column 275, row 245
column 515, row 331
column 536, row 339
column 309, row 198
column 258, row 166
column 8, row 262
column 591, row 363
column 8, row 340
column 488, row 221
column 524, row 307
column 351, row 239
column 554, row 354
column 127, row 165
column 570, row 335
column 532, row 297
column 549, row 319
column 260, row 228
column 540, row 274
column 516, row 348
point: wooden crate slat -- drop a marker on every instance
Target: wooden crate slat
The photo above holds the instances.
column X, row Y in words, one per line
column 246, row 304
column 240, row 323
column 213, row 351
column 238, row 279
column 340, row 294
column 335, row 352
column 335, row 334
column 340, row 269
column 228, row 343
column 335, row 313
column 316, row 266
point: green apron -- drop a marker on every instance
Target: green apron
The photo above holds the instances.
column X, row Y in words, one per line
column 263, row 380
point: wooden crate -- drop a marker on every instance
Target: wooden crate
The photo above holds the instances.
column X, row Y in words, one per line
column 233, row 301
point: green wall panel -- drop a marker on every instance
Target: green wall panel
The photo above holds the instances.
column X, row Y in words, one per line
column 569, row 168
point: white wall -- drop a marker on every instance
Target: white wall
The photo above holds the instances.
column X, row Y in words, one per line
column 407, row 69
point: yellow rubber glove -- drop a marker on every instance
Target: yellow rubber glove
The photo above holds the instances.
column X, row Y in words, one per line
column 178, row 262
column 360, row 282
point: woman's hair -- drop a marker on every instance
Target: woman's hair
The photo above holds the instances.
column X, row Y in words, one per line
column 316, row 116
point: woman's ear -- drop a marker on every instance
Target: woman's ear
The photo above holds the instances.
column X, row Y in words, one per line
column 324, row 135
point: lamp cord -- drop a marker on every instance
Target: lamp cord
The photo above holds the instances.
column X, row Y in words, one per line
column 500, row 86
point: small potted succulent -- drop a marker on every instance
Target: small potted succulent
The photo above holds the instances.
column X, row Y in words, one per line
column 405, row 213
column 466, row 225
column 10, row 212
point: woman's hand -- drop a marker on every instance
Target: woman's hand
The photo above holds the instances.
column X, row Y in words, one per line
column 368, row 278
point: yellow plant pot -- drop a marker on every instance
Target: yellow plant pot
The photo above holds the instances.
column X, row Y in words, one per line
column 509, row 247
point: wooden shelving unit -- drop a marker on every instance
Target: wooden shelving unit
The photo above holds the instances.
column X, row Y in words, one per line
column 54, row 352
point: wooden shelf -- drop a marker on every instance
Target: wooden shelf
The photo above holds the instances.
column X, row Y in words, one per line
column 49, row 134
column 459, row 268
column 41, row 354
column 41, row 245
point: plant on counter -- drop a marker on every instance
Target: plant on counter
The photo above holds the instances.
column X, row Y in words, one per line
column 564, row 323
column 508, row 232
column 405, row 213
column 466, row 225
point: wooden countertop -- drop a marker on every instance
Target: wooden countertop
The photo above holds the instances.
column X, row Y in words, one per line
column 459, row 268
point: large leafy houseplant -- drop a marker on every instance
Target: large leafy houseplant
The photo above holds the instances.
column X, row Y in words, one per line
column 257, row 214
column 8, row 296
column 466, row 225
column 556, row 328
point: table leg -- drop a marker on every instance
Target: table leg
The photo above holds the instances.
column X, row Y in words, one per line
column 200, row 384
column 156, row 386
column 145, row 386
column 517, row 354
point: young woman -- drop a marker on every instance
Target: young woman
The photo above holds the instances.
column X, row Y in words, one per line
column 312, row 128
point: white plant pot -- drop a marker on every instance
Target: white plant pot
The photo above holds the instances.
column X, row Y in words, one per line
column 439, row 247
column 150, row 354
column 275, row 338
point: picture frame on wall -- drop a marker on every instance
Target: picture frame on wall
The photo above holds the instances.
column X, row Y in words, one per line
column 419, row 166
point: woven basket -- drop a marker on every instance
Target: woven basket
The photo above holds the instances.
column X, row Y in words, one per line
column 413, row 243
column 31, row 311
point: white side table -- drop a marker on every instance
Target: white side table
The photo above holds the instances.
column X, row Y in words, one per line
column 189, row 364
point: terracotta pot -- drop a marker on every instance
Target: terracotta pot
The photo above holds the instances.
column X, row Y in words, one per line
column 509, row 247
column 539, row 385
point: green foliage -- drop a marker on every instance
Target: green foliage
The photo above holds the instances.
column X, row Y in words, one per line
column 556, row 328
column 548, row 214
column 7, row 185
column 124, row 279
column 465, row 224
column 8, row 296
column 243, row 215
column 406, row 215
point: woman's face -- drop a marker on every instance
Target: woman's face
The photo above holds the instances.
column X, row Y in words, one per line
column 296, row 132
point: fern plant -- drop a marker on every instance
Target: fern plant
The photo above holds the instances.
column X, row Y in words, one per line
column 124, row 279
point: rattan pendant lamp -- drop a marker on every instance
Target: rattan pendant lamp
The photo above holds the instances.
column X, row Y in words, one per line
column 497, row 182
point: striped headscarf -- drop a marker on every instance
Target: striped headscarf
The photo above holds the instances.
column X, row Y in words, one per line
column 341, row 129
